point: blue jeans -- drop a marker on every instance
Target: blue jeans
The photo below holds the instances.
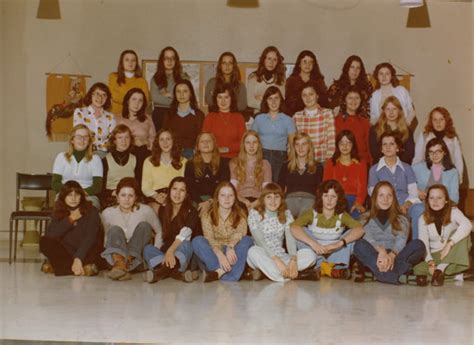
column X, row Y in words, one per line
column 413, row 253
column 350, row 202
column 415, row 212
column 203, row 250
column 154, row 256
column 276, row 159
column 340, row 258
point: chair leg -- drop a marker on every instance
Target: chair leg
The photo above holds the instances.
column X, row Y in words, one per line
column 16, row 240
column 10, row 251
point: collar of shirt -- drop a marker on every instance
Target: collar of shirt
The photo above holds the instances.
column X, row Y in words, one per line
column 270, row 116
column 312, row 113
column 382, row 164
column 185, row 113
column 91, row 111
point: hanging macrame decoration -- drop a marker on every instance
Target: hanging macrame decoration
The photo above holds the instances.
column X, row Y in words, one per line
column 64, row 93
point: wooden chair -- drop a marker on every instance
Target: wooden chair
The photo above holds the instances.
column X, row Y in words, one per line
column 29, row 182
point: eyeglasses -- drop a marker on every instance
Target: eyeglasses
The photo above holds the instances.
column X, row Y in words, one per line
column 437, row 152
column 81, row 137
column 98, row 94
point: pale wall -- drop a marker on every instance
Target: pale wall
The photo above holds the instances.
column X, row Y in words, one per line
column 96, row 31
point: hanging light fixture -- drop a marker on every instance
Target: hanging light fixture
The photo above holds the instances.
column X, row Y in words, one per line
column 243, row 3
column 411, row 3
column 48, row 9
column 419, row 17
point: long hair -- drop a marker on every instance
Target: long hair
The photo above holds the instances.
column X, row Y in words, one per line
column 234, row 78
column 141, row 116
column 272, row 188
column 129, row 182
column 167, row 213
column 446, row 162
column 272, row 90
column 241, row 161
column 278, row 72
column 315, row 72
column 61, row 209
column 70, row 151
column 394, row 81
column 198, row 162
column 362, row 82
column 121, row 70
column 350, row 136
column 394, row 213
column 237, row 212
column 101, row 87
column 445, row 213
column 351, row 89
column 223, row 89
column 382, row 123
column 160, row 74
column 156, row 151
column 324, row 188
column 450, row 131
column 119, row 129
column 311, row 164
column 192, row 96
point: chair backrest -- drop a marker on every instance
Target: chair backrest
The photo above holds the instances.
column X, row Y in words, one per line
column 32, row 182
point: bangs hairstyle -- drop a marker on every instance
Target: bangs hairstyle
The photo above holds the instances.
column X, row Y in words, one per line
column 101, row 87
column 119, row 129
column 198, row 161
column 223, row 89
column 352, row 89
column 278, row 72
column 235, row 77
column 450, row 131
column 362, row 81
column 395, row 137
column 61, row 209
column 130, row 182
column 429, row 215
column 241, row 161
column 237, row 212
column 166, row 216
column 394, row 81
column 272, row 188
column 193, row 103
column 394, row 213
column 354, row 152
column 324, row 188
column 70, row 152
column 126, row 100
column 160, row 75
column 272, row 90
column 382, row 123
column 315, row 72
column 446, row 162
column 311, row 164
column 156, row 151
column 121, row 69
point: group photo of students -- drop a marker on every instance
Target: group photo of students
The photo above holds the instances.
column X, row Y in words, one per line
column 281, row 179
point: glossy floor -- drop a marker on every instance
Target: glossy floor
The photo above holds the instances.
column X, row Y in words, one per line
column 40, row 307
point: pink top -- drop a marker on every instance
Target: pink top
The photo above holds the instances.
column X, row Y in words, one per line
column 248, row 188
column 143, row 132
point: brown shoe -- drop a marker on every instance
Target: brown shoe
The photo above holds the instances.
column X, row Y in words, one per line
column 247, row 274
column 120, row 267
column 90, row 270
column 186, row 276
column 341, row 273
column 159, row 273
column 309, row 274
column 46, row 267
column 438, row 278
column 421, row 280
column 210, row 276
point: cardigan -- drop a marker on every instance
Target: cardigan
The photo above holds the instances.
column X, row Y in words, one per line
column 268, row 233
column 119, row 91
column 158, row 177
column 248, row 188
column 241, row 95
column 293, row 87
column 228, row 129
column 359, row 126
column 454, row 148
column 459, row 228
column 185, row 129
column 403, row 96
column 353, row 178
column 449, row 178
column 378, row 234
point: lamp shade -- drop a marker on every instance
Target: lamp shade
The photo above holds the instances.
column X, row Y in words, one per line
column 48, row 9
column 411, row 3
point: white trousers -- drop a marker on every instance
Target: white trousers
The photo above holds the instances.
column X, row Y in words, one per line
column 257, row 258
